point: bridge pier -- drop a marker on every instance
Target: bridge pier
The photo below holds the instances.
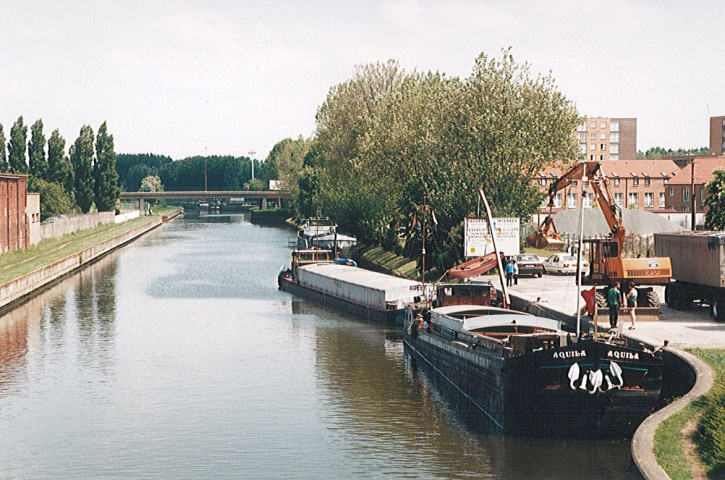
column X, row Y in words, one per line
column 264, row 204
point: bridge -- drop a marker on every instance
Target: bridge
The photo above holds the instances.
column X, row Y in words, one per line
column 196, row 195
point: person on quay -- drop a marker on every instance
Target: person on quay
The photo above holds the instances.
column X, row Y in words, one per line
column 516, row 272
column 613, row 297
column 632, row 304
column 509, row 269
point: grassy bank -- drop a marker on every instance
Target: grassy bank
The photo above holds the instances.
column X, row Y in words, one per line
column 18, row 263
column 669, row 445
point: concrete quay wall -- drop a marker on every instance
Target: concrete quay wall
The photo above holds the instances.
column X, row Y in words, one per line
column 28, row 285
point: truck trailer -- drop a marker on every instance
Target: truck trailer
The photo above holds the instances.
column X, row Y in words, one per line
column 698, row 269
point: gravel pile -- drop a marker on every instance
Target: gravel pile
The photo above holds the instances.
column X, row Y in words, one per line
column 635, row 221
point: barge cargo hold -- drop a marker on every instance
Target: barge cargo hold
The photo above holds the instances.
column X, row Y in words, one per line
column 526, row 375
column 371, row 295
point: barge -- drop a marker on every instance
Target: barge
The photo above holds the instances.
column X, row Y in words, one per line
column 528, row 375
column 317, row 275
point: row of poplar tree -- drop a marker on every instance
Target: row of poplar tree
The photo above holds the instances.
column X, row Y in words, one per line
column 75, row 182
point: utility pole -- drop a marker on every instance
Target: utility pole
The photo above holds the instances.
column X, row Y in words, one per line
column 251, row 157
column 205, row 158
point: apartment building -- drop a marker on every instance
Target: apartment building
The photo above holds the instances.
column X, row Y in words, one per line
column 638, row 184
column 717, row 135
column 605, row 139
column 679, row 188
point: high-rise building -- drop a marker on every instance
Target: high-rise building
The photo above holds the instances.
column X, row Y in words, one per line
column 608, row 138
column 717, row 135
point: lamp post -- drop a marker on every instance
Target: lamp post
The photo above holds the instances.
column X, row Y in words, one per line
column 205, row 169
column 251, row 157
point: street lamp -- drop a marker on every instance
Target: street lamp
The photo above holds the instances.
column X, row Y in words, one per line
column 251, row 157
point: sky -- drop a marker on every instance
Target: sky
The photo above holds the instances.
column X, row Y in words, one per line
column 183, row 78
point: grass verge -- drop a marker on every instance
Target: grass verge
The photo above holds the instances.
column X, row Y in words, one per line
column 668, row 446
column 15, row 264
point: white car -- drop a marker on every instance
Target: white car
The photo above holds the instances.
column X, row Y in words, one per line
column 559, row 263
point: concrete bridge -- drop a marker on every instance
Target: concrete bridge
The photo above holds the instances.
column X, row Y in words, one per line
column 196, row 195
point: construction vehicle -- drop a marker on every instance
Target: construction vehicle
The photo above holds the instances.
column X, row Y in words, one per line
column 605, row 254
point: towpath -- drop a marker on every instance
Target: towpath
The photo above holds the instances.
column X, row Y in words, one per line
column 683, row 328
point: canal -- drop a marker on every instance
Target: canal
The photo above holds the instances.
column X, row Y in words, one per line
column 177, row 357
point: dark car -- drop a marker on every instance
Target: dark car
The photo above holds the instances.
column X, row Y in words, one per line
column 528, row 264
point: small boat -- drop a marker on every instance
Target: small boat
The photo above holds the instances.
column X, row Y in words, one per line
column 474, row 267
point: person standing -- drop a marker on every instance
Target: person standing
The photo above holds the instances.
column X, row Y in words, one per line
column 509, row 269
column 632, row 304
column 516, row 272
column 613, row 297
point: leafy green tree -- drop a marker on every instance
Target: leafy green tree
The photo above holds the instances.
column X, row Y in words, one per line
column 255, row 184
column 16, row 147
column 81, row 157
column 657, row 153
column 132, row 168
column 286, row 160
column 106, row 187
column 54, row 200
column 715, row 201
column 60, row 169
column 152, row 183
column 3, row 154
column 36, row 151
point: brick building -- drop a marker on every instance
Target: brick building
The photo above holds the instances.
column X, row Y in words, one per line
column 604, row 139
column 679, row 188
column 14, row 229
column 638, row 184
column 717, row 135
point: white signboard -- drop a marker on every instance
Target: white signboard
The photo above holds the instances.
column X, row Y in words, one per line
column 477, row 236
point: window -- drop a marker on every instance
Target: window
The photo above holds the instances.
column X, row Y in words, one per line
column 603, row 124
column 593, row 135
column 602, row 157
column 582, row 136
column 633, row 201
column 557, row 200
column 602, row 146
column 614, row 126
column 662, row 199
column 582, row 127
column 635, row 181
column 587, row 200
column 593, row 124
column 618, row 198
column 614, row 157
column 671, row 191
column 616, row 181
column 702, row 195
column 571, row 200
column 614, row 137
column 685, row 194
column 591, row 157
column 649, row 198
column 613, row 148
column 583, row 147
column 646, row 181
column 593, row 147
column 603, row 136
column 542, row 182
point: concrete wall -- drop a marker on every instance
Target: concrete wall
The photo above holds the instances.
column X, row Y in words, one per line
column 59, row 226
column 33, row 216
column 34, row 282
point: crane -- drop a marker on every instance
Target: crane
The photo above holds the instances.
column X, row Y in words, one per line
column 606, row 262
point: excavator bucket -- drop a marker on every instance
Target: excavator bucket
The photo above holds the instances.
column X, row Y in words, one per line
column 546, row 237
column 547, row 241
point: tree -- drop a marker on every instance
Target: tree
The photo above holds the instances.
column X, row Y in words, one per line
column 3, row 154
column 16, row 147
column 81, row 157
column 54, row 199
column 60, row 169
column 285, row 161
column 106, row 187
column 715, row 201
column 36, row 151
column 152, row 183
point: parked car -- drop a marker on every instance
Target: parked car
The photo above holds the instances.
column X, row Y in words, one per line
column 561, row 263
column 528, row 264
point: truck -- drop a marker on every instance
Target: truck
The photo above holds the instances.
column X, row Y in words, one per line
column 698, row 269
column 607, row 264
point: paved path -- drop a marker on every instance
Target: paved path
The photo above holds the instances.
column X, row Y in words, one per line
column 687, row 328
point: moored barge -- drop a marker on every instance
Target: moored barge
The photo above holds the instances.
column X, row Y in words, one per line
column 527, row 375
column 317, row 275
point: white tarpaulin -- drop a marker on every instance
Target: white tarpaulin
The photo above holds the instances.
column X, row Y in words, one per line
column 477, row 236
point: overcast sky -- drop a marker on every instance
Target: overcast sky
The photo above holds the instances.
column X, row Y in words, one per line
column 183, row 78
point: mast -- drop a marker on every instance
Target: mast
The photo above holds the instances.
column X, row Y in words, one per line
column 489, row 217
column 579, row 260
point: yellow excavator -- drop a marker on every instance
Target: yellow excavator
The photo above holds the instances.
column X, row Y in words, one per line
column 606, row 262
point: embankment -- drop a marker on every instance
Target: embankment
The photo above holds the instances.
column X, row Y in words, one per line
column 20, row 289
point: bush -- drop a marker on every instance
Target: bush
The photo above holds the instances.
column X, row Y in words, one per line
column 711, row 431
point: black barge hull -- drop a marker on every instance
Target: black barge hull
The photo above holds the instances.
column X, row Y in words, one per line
column 538, row 393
